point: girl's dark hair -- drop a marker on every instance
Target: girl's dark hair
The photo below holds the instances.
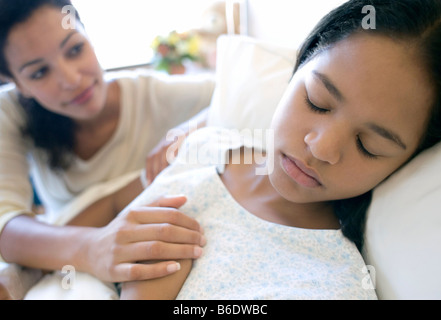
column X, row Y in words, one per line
column 47, row 130
column 413, row 21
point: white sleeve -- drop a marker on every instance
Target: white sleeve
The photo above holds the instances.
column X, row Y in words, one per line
column 175, row 99
column 15, row 187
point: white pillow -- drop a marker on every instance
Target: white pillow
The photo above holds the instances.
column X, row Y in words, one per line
column 251, row 76
column 403, row 231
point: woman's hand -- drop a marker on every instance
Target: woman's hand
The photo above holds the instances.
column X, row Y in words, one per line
column 15, row 281
column 163, row 154
column 158, row 232
column 167, row 149
column 4, row 293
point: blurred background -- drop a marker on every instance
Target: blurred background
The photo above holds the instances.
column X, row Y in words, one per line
column 162, row 33
column 123, row 30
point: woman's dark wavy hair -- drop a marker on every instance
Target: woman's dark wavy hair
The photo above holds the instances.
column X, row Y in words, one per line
column 47, row 130
column 416, row 22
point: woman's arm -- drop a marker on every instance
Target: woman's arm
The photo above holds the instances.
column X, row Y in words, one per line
column 165, row 288
column 156, row 232
column 167, row 149
column 15, row 281
column 4, row 291
column 104, row 210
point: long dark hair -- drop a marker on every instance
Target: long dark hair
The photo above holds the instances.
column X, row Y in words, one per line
column 417, row 21
column 47, row 130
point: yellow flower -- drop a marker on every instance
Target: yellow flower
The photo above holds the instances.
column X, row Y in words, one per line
column 155, row 43
column 173, row 38
column 193, row 45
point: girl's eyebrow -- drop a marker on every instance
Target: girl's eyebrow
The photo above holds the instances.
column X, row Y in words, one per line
column 329, row 85
column 387, row 134
column 62, row 44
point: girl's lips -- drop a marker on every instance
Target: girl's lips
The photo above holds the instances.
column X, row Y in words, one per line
column 300, row 173
column 85, row 96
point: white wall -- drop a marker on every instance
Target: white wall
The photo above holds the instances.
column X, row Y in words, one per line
column 286, row 22
column 122, row 30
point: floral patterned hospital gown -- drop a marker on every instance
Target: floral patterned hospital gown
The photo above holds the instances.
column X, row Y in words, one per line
column 247, row 257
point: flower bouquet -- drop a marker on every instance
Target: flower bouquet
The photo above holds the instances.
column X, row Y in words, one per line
column 172, row 50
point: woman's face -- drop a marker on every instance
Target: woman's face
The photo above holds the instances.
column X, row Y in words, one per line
column 56, row 66
column 350, row 117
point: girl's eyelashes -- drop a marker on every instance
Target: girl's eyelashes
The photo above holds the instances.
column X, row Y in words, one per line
column 363, row 150
column 313, row 107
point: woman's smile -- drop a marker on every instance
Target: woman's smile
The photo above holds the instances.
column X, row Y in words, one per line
column 84, row 96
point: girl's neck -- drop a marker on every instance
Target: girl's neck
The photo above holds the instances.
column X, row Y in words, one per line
column 256, row 194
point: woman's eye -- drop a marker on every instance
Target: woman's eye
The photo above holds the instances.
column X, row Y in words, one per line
column 313, row 107
column 39, row 73
column 76, row 50
column 363, row 150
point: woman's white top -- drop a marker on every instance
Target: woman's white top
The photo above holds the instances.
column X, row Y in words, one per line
column 151, row 104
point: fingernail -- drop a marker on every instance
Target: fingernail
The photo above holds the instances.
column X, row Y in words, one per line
column 203, row 241
column 173, row 267
column 171, row 196
column 197, row 252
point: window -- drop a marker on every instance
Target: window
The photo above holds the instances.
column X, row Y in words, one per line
column 122, row 30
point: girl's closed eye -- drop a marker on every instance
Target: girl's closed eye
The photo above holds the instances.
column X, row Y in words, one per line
column 313, row 107
column 361, row 148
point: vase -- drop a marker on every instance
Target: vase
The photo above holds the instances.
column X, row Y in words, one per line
column 177, row 68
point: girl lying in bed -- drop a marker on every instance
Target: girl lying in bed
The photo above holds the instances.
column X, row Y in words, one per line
column 360, row 105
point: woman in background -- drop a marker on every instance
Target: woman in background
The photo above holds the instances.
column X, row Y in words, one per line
column 71, row 129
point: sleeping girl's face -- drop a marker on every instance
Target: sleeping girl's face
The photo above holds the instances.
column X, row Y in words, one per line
column 350, row 117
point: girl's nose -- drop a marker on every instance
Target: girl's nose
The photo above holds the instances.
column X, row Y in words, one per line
column 325, row 145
